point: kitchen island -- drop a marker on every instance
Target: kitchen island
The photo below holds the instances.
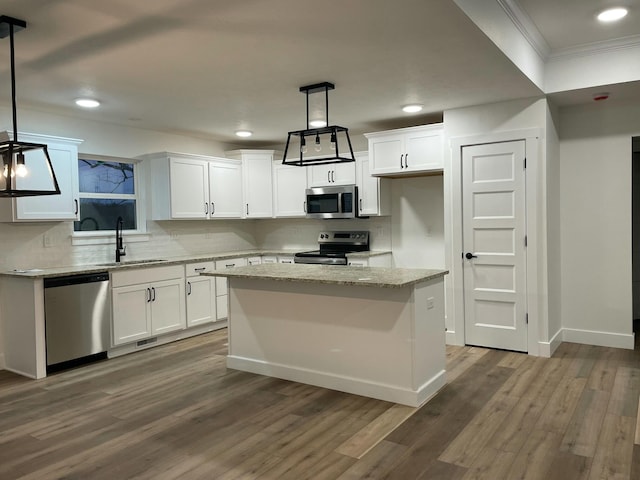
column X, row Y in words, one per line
column 376, row 332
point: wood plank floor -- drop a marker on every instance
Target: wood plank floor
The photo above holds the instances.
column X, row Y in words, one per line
column 175, row 411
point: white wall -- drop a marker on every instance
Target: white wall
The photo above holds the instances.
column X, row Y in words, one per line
column 417, row 222
column 595, row 193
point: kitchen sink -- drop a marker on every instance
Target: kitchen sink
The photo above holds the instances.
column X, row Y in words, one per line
column 129, row 262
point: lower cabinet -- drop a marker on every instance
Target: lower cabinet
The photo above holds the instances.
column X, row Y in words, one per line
column 384, row 260
column 200, row 293
column 222, row 293
column 147, row 302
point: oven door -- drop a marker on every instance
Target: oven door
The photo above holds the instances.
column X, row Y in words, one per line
column 332, row 202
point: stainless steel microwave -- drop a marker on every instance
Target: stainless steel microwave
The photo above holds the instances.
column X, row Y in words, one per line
column 332, row 202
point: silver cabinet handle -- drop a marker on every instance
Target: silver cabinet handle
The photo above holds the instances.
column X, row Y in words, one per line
column 401, row 158
column 333, row 178
column 206, row 208
column 200, row 269
column 189, row 289
column 153, row 289
column 148, row 295
column 406, row 158
column 213, row 208
column 247, row 209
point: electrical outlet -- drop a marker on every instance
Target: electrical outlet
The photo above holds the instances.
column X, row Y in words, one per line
column 47, row 240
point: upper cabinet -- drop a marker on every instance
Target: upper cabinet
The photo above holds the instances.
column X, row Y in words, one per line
column 289, row 185
column 332, row 174
column 64, row 159
column 184, row 186
column 407, row 151
column 257, row 181
column 374, row 193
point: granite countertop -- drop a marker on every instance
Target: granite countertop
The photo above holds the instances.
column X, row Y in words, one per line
column 129, row 264
column 341, row 275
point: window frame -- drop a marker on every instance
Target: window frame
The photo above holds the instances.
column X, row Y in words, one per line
column 98, row 237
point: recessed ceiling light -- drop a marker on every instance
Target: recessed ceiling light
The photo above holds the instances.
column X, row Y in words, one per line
column 412, row 108
column 87, row 103
column 243, row 133
column 612, row 14
column 317, row 123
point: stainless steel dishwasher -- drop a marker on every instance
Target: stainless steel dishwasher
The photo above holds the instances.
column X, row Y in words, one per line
column 77, row 318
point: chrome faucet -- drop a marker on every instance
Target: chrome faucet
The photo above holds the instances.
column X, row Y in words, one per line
column 121, row 250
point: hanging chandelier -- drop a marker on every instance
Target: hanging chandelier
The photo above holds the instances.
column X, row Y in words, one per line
column 323, row 143
column 25, row 167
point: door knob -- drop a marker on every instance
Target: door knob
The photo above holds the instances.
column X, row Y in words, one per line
column 470, row 255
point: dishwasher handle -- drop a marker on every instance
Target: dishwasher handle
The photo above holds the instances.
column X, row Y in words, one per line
column 76, row 279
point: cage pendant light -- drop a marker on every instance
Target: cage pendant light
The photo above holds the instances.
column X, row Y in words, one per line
column 324, row 144
column 25, row 167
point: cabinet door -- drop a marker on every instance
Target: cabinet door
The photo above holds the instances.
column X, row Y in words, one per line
column 222, row 293
column 367, row 187
column 257, row 186
column 285, row 259
column 131, row 313
column 201, row 300
column 424, row 151
column 385, row 154
column 167, row 306
column 225, row 189
column 254, row 260
column 319, row 175
column 290, row 184
column 343, row 173
column 189, row 184
column 64, row 159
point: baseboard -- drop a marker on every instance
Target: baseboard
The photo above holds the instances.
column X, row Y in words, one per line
column 20, row 372
column 167, row 338
column 389, row 393
column 451, row 338
column 546, row 349
column 602, row 339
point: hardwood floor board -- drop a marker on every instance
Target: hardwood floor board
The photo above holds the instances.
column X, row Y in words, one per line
column 583, row 361
column 533, row 459
column 491, row 464
column 462, row 361
column 369, row 436
column 625, row 391
column 513, row 359
column 469, row 443
column 614, row 454
column 443, row 471
column 635, row 462
column 515, row 429
column 379, row 461
column 429, row 439
column 524, row 376
column 558, row 412
column 604, row 370
column 330, row 467
column 567, row 466
column 581, row 436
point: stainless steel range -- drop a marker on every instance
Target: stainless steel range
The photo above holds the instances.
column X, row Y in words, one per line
column 334, row 247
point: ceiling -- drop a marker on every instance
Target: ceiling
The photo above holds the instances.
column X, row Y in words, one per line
column 207, row 68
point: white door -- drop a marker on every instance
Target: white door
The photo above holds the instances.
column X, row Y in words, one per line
column 494, row 258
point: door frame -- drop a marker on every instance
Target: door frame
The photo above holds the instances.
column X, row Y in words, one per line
column 536, row 253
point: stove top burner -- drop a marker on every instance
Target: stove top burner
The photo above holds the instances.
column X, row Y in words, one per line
column 334, row 247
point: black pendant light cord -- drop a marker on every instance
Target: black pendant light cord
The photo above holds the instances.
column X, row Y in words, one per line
column 13, row 83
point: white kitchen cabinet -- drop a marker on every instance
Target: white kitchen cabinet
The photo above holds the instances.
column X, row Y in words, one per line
column 289, row 190
column 332, row 174
column 257, row 182
column 374, row 193
column 183, row 186
column 225, row 189
column 63, row 153
column 269, row 259
column 285, row 259
column 200, row 293
column 147, row 302
column 221, row 285
column 383, row 260
column 407, row 151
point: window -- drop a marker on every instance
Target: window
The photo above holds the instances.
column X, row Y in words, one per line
column 108, row 190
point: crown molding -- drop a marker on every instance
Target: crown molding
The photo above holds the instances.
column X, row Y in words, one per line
column 527, row 28
column 596, row 48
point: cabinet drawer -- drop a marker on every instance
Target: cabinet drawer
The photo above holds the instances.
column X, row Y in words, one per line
column 195, row 269
column 146, row 275
column 221, row 282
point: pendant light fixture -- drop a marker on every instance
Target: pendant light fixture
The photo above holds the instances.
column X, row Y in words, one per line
column 325, row 152
column 25, row 168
